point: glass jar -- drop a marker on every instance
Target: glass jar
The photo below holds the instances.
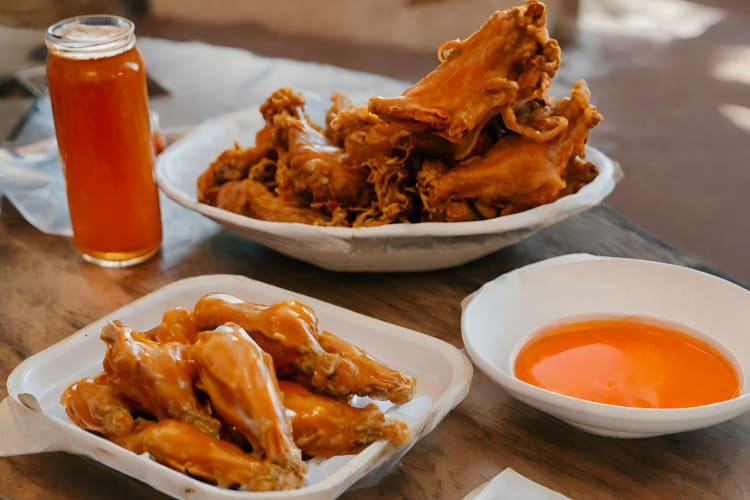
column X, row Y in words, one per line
column 97, row 86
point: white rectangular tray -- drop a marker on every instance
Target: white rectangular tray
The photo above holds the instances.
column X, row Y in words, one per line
column 32, row 420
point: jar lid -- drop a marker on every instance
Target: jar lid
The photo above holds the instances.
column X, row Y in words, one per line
column 90, row 37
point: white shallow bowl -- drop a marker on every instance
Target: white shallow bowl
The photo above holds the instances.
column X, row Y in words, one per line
column 505, row 313
column 32, row 420
column 393, row 247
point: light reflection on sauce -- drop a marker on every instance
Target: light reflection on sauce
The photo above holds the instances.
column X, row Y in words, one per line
column 627, row 362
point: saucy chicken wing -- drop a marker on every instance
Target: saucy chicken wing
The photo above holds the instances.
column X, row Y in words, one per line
column 359, row 374
column 250, row 197
column 239, row 378
column 158, row 378
column 312, row 170
column 383, row 149
column 177, row 325
column 510, row 60
column 233, row 164
column 183, row 447
column 324, row 427
column 199, row 394
column 288, row 331
column 515, row 174
column 96, row 405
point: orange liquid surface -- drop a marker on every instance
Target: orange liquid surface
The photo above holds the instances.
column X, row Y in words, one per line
column 103, row 133
column 627, row 362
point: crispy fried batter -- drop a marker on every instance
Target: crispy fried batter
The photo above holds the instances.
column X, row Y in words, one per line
column 510, row 60
column 476, row 138
column 310, row 168
column 234, row 164
column 517, row 172
column 251, row 198
column 383, row 149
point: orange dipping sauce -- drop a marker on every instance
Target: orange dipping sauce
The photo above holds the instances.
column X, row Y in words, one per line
column 627, row 362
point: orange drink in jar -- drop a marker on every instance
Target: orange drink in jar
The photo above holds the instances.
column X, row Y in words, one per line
column 97, row 86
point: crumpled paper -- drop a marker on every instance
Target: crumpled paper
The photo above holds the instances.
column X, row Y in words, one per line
column 510, row 485
column 204, row 81
column 31, row 174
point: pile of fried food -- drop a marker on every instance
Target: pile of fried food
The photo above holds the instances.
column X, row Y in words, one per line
column 476, row 138
column 237, row 394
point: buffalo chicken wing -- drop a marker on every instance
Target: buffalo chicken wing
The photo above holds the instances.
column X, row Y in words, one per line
column 359, row 374
column 508, row 61
column 183, row 447
column 240, row 380
column 158, row 378
column 95, row 404
column 324, row 427
column 288, row 331
column 516, row 173
column 200, row 394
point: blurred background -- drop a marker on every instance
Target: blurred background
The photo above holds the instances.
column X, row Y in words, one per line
column 394, row 37
column 671, row 77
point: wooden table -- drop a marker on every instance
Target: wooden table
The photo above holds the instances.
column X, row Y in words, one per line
column 48, row 292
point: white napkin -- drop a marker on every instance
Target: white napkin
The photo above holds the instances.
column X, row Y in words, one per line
column 31, row 174
column 511, row 485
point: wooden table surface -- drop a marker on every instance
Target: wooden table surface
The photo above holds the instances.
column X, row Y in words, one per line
column 48, row 293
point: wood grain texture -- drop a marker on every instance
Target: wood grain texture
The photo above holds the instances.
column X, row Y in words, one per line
column 48, row 293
